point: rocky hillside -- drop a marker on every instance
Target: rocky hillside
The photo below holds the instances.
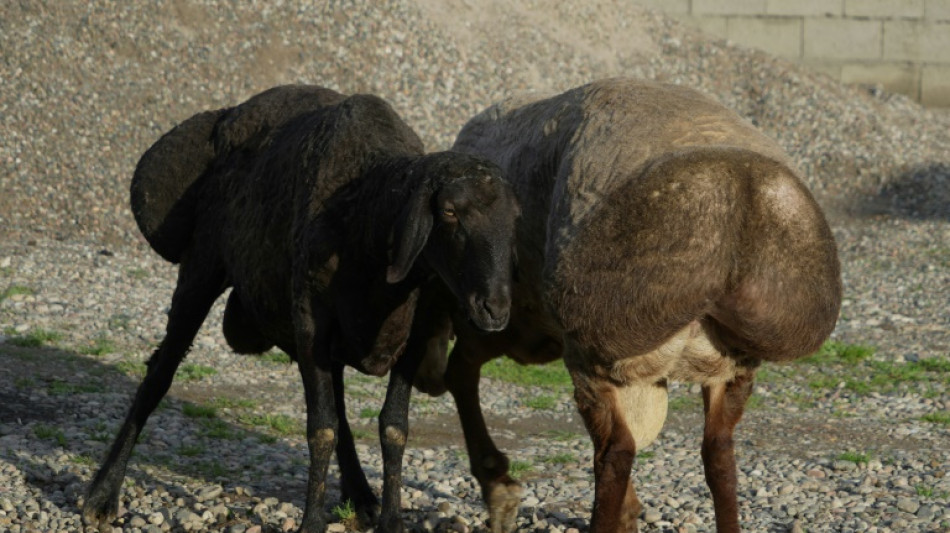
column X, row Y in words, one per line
column 88, row 86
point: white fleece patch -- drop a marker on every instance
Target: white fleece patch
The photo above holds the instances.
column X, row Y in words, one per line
column 644, row 409
column 688, row 356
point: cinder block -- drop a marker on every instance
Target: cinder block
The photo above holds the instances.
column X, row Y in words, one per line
column 900, row 78
column 832, row 69
column 805, row 8
column 829, row 38
column 674, row 7
column 935, row 86
column 937, row 10
column 884, row 8
column 781, row 36
column 911, row 40
column 729, row 7
column 714, row 26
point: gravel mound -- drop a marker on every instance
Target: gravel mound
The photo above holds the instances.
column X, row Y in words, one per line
column 90, row 85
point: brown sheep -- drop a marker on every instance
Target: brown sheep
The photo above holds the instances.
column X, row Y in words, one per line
column 662, row 238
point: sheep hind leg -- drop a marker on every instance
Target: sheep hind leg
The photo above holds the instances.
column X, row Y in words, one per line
column 723, row 405
column 502, row 494
column 195, row 293
column 353, row 482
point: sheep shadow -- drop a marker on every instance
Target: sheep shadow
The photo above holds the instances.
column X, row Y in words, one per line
column 921, row 193
column 60, row 411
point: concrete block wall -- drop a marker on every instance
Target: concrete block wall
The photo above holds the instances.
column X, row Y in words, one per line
column 903, row 45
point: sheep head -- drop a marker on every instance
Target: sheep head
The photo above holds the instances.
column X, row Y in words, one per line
column 461, row 219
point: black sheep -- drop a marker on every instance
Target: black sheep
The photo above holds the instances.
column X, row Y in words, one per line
column 314, row 207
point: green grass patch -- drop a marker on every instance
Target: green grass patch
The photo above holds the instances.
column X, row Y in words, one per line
column 119, row 321
column 222, row 402
column 83, row 460
column 59, row 387
column 193, row 410
column 823, row 381
column 855, row 457
column 941, row 417
column 840, row 352
column 45, row 432
column 191, row 450
column 542, row 402
column 561, row 436
column 345, row 512
column 929, row 492
column 138, row 273
column 24, row 383
column 361, row 434
column 14, row 290
column 754, row 402
column 35, row 338
column 276, row 357
column 212, row 469
column 517, row 468
column 643, row 457
column 934, row 365
column 131, row 368
column 192, row 372
column 215, row 428
column 560, row 458
column 280, row 424
column 551, row 375
column 681, row 402
column 369, row 412
column 101, row 345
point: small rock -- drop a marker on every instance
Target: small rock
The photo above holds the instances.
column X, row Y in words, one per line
column 156, row 518
column 908, row 505
column 137, row 521
column 336, row 528
column 220, row 512
column 652, row 516
column 209, row 493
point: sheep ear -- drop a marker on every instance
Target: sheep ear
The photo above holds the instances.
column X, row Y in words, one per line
column 410, row 234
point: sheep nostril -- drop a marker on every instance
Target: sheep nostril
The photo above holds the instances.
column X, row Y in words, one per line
column 496, row 308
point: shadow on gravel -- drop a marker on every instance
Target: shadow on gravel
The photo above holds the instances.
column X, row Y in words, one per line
column 923, row 193
column 54, row 402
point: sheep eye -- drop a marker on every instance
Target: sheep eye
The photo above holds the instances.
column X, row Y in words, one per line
column 448, row 213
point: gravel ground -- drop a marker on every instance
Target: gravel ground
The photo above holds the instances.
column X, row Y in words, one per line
column 833, row 446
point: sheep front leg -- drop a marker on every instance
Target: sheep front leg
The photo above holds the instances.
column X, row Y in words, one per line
column 394, row 424
column 313, row 334
column 502, row 494
column 723, row 404
column 352, row 478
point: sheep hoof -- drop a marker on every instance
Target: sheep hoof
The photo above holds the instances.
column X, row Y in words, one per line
column 99, row 513
column 392, row 524
column 367, row 515
column 503, row 502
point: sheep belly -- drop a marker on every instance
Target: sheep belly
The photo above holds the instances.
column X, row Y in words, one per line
column 641, row 396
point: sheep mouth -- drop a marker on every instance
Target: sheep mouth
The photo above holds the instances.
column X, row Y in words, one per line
column 491, row 325
column 489, row 314
column 489, row 320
